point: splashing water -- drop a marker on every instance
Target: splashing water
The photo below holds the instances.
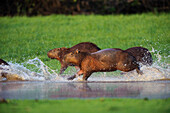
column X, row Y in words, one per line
column 158, row 70
column 43, row 73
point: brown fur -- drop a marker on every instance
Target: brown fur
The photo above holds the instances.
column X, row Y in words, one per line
column 141, row 54
column 102, row 61
column 59, row 53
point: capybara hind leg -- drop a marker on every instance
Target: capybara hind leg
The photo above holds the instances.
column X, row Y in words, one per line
column 86, row 76
column 139, row 71
column 76, row 75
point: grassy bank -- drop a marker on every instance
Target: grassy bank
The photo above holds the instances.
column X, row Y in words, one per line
column 23, row 38
column 87, row 106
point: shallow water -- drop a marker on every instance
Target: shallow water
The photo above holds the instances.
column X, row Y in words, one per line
column 63, row 90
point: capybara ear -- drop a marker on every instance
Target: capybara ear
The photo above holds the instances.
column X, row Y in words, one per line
column 58, row 49
column 77, row 51
column 64, row 48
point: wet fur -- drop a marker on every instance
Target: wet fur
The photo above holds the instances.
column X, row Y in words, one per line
column 102, row 61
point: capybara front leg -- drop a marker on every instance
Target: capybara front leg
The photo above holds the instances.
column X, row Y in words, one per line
column 63, row 68
column 76, row 75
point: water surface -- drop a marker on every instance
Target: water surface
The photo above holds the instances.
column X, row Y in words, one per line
column 92, row 89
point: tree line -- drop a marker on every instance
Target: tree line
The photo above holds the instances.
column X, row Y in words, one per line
column 73, row 7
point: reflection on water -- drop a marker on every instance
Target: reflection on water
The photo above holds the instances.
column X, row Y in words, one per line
column 62, row 90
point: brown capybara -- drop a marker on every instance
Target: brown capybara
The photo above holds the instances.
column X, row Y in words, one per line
column 102, row 61
column 141, row 54
column 58, row 53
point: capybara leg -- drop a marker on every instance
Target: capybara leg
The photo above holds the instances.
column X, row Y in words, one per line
column 76, row 75
column 86, row 76
column 63, row 68
column 139, row 71
column 79, row 73
column 72, row 77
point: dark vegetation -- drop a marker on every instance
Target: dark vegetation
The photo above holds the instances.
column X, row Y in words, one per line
column 73, row 7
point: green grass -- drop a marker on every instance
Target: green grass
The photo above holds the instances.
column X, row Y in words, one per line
column 87, row 106
column 24, row 38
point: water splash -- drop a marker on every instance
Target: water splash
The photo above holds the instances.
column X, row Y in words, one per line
column 40, row 71
column 43, row 73
column 43, row 69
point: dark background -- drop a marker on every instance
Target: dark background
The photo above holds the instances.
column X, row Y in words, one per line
column 73, row 7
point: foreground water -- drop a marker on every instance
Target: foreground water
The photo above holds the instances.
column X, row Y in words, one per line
column 63, row 90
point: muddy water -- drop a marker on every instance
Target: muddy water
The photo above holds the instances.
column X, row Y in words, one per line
column 63, row 90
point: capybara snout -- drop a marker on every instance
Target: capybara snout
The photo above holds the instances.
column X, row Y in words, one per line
column 52, row 53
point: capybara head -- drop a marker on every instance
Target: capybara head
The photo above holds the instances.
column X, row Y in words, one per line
column 56, row 53
column 74, row 57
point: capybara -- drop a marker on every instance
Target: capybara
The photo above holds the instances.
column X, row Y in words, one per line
column 141, row 54
column 101, row 61
column 58, row 53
